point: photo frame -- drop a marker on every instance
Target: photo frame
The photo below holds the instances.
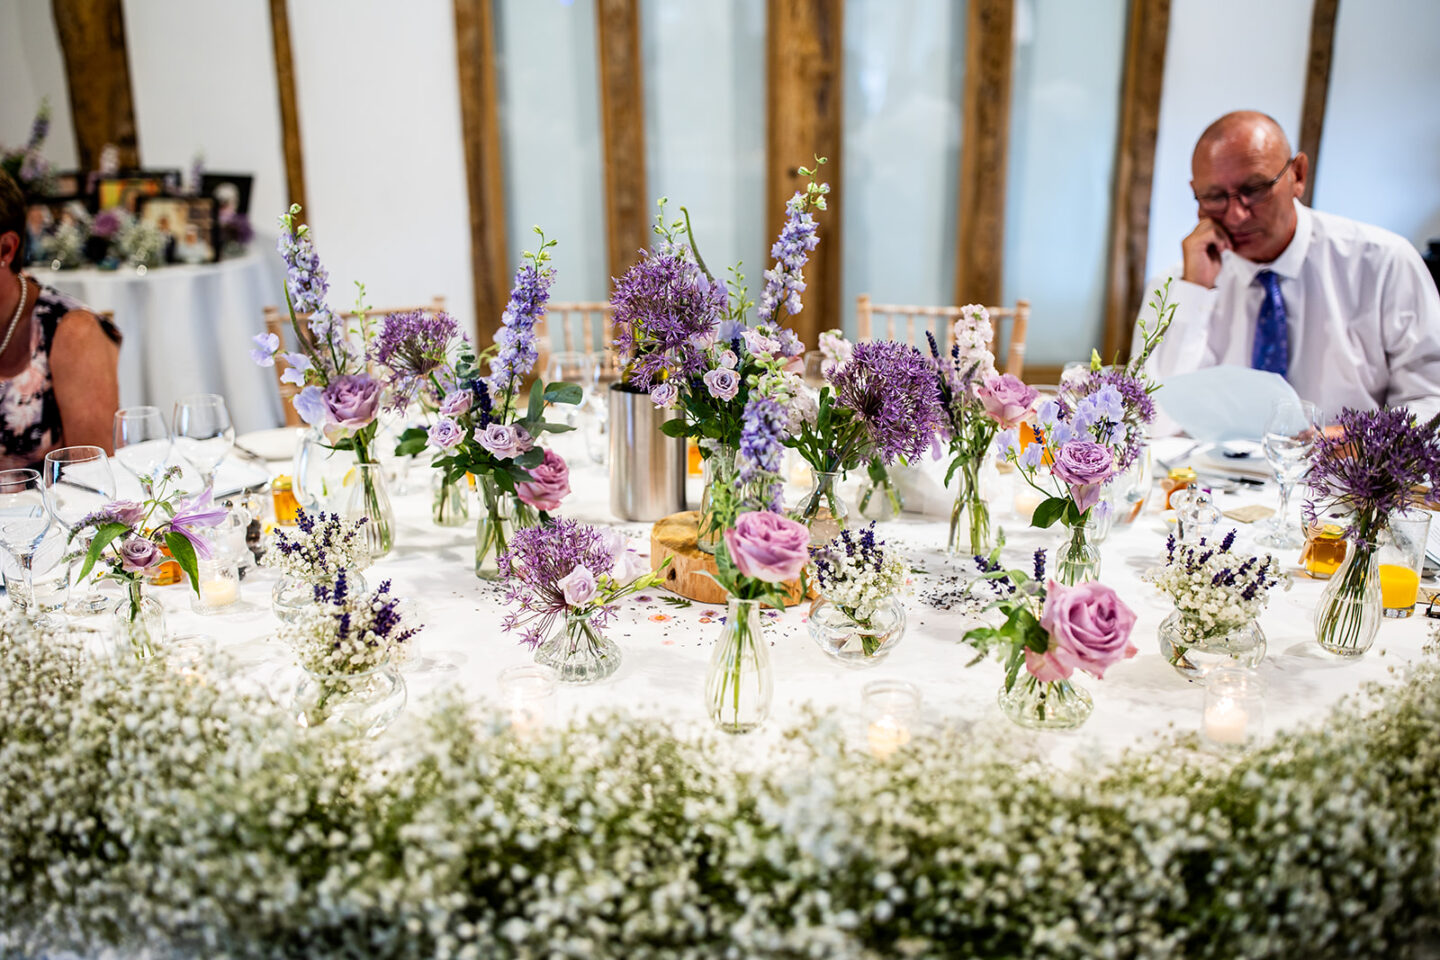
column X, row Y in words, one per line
column 230, row 190
column 67, row 183
column 127, row 189
column 43, row 217
column 188, row 224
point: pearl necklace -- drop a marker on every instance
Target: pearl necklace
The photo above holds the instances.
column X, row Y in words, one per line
column 19, row 310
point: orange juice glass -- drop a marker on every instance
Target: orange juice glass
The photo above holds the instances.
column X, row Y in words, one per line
column 1402, row 556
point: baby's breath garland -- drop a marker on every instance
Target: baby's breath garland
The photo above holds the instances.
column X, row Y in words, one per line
column 142, row 810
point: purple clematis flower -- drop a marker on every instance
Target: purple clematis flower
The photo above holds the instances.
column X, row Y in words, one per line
column 195, row 514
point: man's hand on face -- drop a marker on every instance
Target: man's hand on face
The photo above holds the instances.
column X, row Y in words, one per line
column 1202, row 252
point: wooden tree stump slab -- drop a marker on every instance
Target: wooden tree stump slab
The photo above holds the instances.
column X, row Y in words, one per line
column 690, row 569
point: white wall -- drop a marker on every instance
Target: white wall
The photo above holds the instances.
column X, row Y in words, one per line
column 1380, row 148
column 32, row 68
column 1222, row 55
column 384, row 162
column 189, row 100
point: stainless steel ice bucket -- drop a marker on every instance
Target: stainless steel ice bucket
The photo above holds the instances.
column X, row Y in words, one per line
column 647, row 468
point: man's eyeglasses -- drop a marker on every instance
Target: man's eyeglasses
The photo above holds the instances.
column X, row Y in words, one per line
column 1252, row 193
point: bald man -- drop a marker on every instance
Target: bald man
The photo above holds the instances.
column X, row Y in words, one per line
column 1346, row 312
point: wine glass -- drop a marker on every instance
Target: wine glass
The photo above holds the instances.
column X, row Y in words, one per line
column 203, row 433
column 1290, row 436
column 142, row 440
column 78, row 481
column 570, row 366
column 24, row 521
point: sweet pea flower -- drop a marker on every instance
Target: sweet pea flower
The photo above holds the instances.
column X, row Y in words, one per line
column 767, row 546
column 296, row 365
column 265, row 346
column 310, row 404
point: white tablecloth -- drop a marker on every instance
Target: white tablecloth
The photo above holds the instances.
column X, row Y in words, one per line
column 666, row 649
column 188, row 329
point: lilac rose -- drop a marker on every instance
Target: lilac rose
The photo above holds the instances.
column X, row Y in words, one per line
column 352, row 400
column 138, row 555
column 767, row 546
column 549, row 483
column 578, row 586
column 1089, row 627
column 503, row 442
column 722, row 383
column 457, row 403
column 446, row 433
column 665, row 394
column 1084, row 465
column 127, row 512
column 1007, row 399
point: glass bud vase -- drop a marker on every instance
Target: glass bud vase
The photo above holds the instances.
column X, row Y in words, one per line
column 879, row 498
column 1351, row 606
column 138, row 622
column 1078, row 559
column 718, row 470
column 1193, row 654
column 359, row 704
column 970, row 516
column 451, row 505
column 578, row 651
column 823, row 511
column 501, row 514
column 740, row 682
column 368, row 497
column 1045, row 705
column 860, row 644
column 292, row 596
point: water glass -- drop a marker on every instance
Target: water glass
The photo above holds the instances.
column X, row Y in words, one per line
column 78, row 482
column 24, row 519
column 203, row 433
column 142, row 440
column 1290, row 435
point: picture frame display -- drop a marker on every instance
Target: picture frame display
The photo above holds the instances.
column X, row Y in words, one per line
column 188, row 223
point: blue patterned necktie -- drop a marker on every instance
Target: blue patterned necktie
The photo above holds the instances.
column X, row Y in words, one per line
column 1272, row 340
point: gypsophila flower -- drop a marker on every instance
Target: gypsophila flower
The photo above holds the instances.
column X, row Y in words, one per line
column 322, row 545
column 1215, row 590
column 347, row 632
column 857, row 573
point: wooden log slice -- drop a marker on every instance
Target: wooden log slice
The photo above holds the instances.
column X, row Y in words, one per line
column 690, row 570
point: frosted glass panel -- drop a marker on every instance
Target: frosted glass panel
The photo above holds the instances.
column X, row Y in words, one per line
column 550, row 127
column 1063, row 122
column 903, row 79
column 705, row 124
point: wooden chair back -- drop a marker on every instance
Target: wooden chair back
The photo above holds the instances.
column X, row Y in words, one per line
column 277, row 321
column 584, row 327
column 888, row 321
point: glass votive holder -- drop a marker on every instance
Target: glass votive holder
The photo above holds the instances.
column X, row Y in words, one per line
column 1234, row 715
column 892, row 712
column 527, row 695
column 1402, row 557
column 219, row 584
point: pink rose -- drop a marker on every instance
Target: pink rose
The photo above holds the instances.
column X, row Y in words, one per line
column 1084, row 465
column 549, row 483
column 767, row 546
column 1007, row 399
column 138, row 555
column 1089, row 627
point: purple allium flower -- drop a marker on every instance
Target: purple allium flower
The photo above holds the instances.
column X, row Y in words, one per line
column 516, row 336
column 1372, row 467
column 665, row 308
column 762, row 438
column 785, row 281
column 412, row 346
column 536, row 567
column 895, row 392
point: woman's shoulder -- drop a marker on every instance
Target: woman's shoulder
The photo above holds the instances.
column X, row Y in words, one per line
column 52, row 306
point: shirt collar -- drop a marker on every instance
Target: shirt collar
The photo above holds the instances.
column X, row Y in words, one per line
column 1291, row 259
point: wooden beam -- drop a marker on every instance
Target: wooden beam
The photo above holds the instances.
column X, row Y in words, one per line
column 1317, row 85
column 804, row 116
column 1134, row 171
column 984, row 142
column 484, row 179
column 289, row 113
column 622, row 121
column 92, row 37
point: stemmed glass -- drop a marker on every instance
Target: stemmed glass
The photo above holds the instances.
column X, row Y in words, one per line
column 78, row 482
column 142, row 440
column 24, row 521
column 571, row 367
column 1290, row 436
column 203, row 433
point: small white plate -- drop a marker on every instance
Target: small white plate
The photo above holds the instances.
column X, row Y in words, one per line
column 275, row 444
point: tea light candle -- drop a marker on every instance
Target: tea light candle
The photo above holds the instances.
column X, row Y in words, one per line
column 1027, row 498
column 1234, row 714
column 1225, row 722
column 886, row 736
column 892, row 708
column 527, row 693
column 220, row 592
column 219, row 586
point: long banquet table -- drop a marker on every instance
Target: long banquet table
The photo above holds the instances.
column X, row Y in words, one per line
column 666, row 647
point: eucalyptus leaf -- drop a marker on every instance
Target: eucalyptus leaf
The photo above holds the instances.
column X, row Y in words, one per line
column 564, row 393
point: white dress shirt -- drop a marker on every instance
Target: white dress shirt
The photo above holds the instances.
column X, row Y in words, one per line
column 1362, row 311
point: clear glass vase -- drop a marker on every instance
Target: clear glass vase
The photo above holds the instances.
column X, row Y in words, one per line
column 718, row 471
column 1351, row 606
column 578, row 651
column 501, row 514
column 138, row 623
column 846, row 639
column 970, row 516
column 292, row 596
column 879, row 498
column 1193, row 653
column 823, row 511
column 451, row 505
column 368, row 497
column 740, row 681
column 360, row 704
column 1045, row 705
column 1078, row 559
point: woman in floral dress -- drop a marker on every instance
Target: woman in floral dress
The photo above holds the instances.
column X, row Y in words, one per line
column 58, row 384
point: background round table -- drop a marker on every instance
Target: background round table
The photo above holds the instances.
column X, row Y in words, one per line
column 188, row 329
